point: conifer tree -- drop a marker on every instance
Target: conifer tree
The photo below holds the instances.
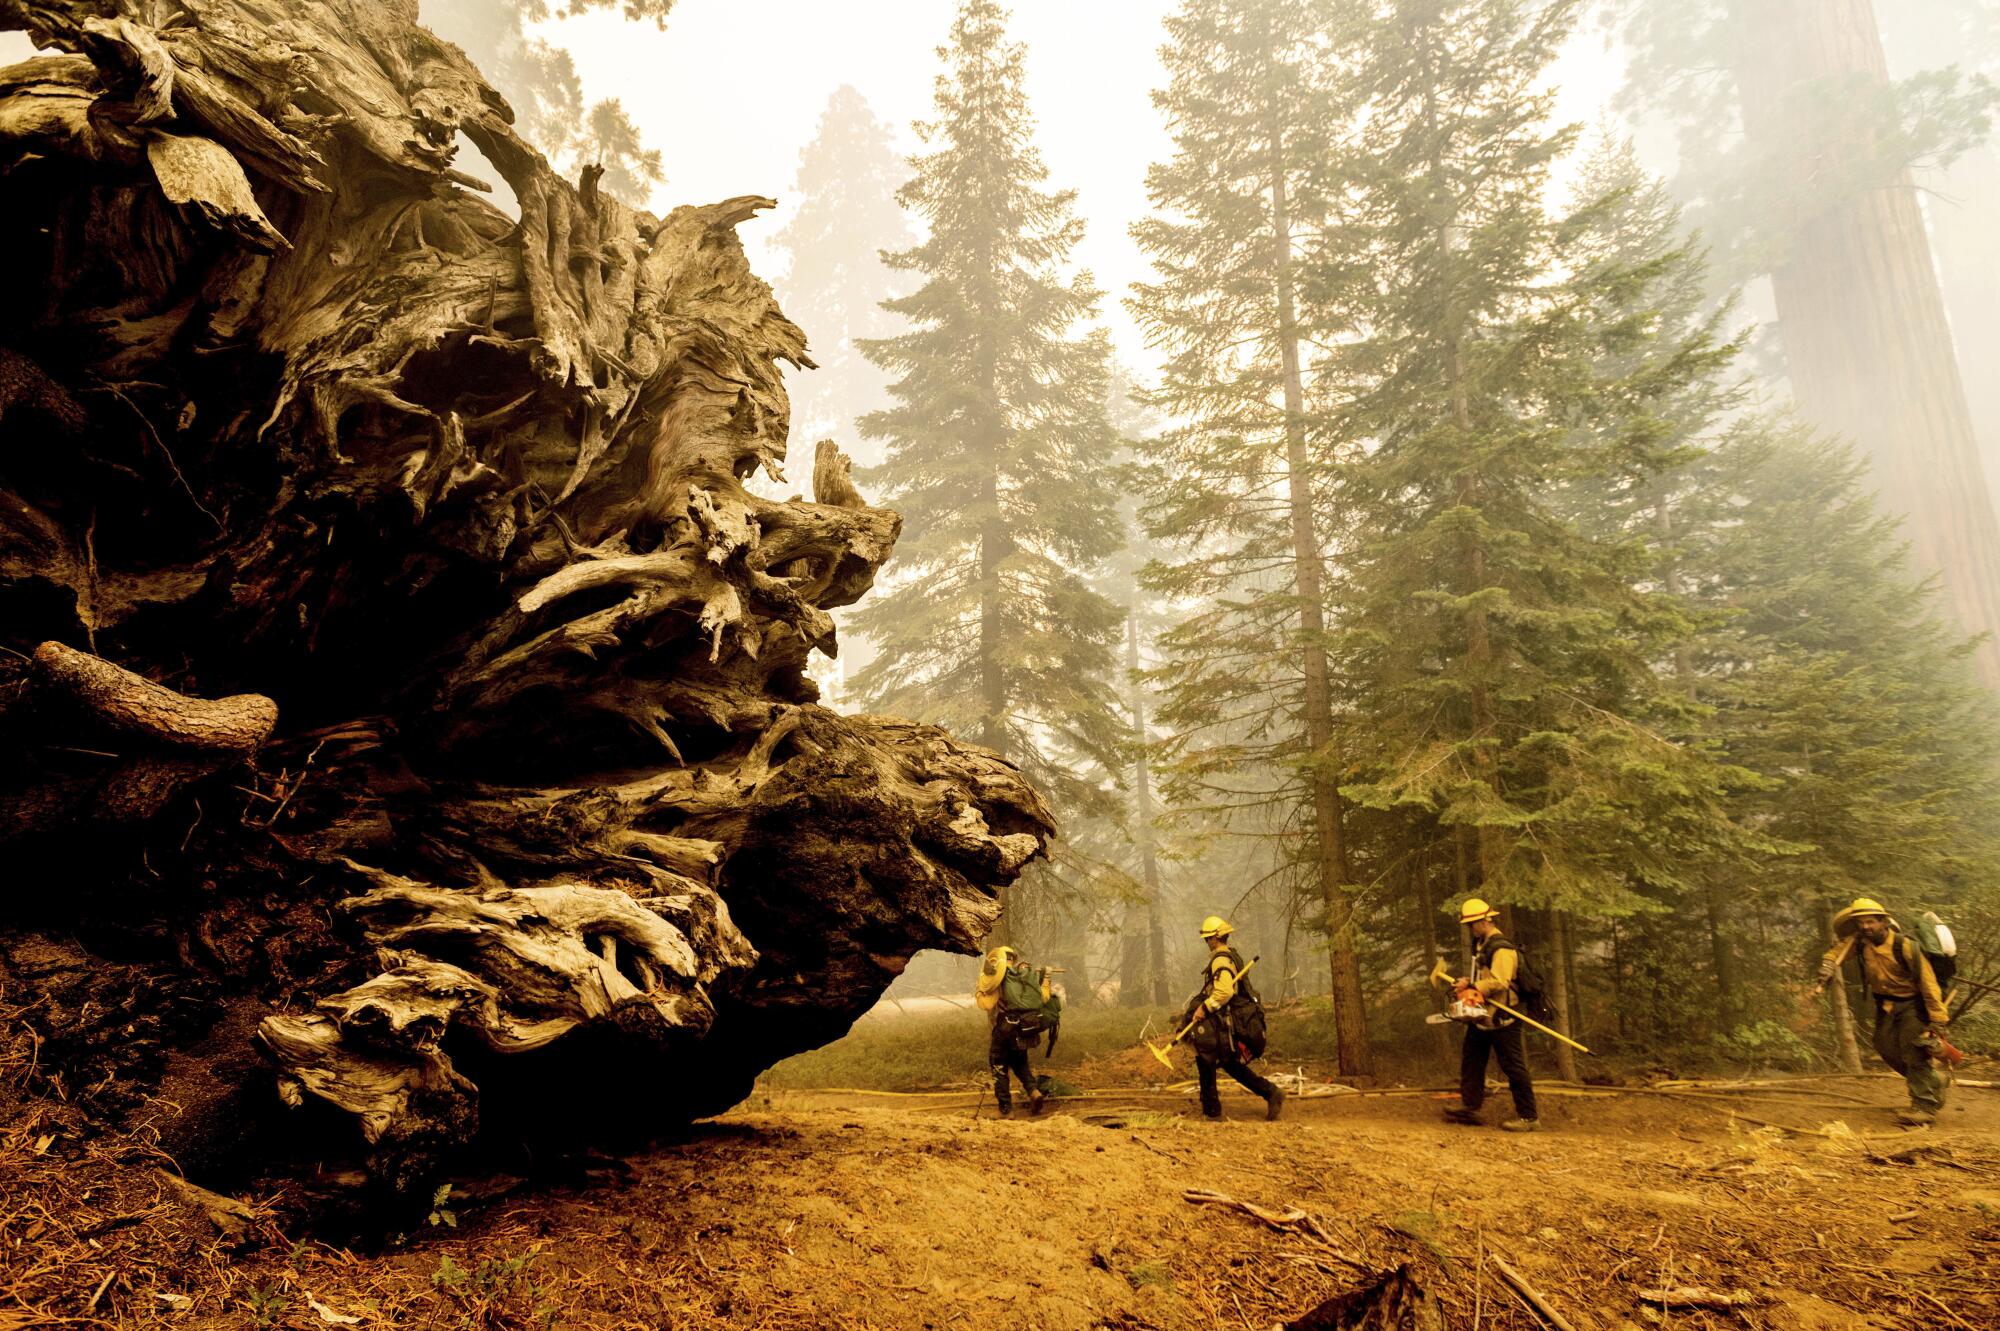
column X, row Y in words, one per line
column 1239, row 486
column 999, row 450
column 1834, row 675
column 1630, row 224
column 1506, row 660
column 836, row 283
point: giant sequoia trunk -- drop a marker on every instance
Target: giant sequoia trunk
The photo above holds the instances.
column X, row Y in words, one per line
column 1867, row 346
column 400, row 681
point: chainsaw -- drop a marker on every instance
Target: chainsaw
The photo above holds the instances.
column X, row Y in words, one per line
column 1480, row 1013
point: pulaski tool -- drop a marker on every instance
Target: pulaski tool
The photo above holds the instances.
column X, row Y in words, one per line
column 1461, row 1010
column 1160, row 1050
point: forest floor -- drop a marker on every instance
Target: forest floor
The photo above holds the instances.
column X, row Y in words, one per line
column 847, row 1209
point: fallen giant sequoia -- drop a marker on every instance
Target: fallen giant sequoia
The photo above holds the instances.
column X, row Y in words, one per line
column 399, row 675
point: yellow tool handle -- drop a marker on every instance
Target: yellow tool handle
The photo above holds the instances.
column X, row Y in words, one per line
column 1522, row 1016
column 1197, row 1019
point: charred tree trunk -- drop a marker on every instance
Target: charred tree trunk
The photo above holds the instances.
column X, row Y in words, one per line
column 1867, row 345
column 518, row 808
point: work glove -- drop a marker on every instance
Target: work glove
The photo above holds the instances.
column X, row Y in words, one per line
column 1827, row 967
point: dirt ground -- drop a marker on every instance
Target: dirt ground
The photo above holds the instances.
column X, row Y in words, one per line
column 872, row 1211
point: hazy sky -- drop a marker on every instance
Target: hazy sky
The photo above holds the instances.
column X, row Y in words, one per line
column 732, row 90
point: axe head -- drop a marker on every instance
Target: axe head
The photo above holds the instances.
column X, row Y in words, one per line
column 1159, row 1052
column 1440, row 977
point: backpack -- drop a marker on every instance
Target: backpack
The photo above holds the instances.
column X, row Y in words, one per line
column 1939, row 947
column 1933, row 938
column 1241, row 1029
column 1530, row 989
column 1027, row 1007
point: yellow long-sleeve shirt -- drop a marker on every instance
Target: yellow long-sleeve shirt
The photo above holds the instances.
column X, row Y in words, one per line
column 1887, row 973
column 1495, row 979
column 1221, row 980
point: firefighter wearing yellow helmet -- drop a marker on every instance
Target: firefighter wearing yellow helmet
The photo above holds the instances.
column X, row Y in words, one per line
column 1910, row 1013
column 1495, row 962
column 1222, row 1019
column 1022, row 1007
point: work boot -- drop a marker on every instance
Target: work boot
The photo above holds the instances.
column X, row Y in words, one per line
column 1521, row 1125
column 1916, row 1118
column 1036, row 1102
column 1006, row 1109
column 1469, row 1117
column 1274, row 1104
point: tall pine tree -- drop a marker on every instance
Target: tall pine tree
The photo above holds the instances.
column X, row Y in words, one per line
column 999, row 449
column 1508, row 661
column 836, row 282
column 1240, row 485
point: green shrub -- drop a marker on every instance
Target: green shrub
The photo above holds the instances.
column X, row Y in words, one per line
column 1768, row 1044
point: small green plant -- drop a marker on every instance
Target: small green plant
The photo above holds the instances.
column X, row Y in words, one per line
column 442, row 1214
column 498, row 1291
column 1150, row 1273
column 267, row 1305
column 1768, row 1044
column 499, row 1277
column 1422, row 1227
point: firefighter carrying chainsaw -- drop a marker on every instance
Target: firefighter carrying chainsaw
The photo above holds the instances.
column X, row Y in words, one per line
column 1901, row 973
column 1489, row 1003
column 1023, row 1007
column 1225, row 1024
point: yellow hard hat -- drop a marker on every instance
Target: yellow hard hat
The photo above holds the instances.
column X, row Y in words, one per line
column 1475, row 910
column 1847, row 920
column 1215, row 927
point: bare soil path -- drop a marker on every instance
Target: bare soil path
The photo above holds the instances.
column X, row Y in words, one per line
column 894, row 1213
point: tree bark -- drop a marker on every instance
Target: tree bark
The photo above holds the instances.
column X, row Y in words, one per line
column 1427, row 906
column 1142, row 938
column 1350, row 1016
column 518, row 813
column 1559, row 995
column 1846, row 1047
column 1867, row 345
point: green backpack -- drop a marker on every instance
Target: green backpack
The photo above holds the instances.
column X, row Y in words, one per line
column 1024, row 1009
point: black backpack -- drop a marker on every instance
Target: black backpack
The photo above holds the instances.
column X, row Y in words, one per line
column 1242, row 1024
column 1530, row 989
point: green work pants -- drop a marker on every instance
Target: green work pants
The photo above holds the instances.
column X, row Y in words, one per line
column 1899, row 1022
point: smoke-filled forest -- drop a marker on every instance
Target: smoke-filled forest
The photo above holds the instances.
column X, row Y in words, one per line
column 1177, row 664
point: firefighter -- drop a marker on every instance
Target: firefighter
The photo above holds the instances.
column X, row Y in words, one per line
column 1910, row 1014
column 1022, row 1010
column 1229, row 1025
column 1494, row 961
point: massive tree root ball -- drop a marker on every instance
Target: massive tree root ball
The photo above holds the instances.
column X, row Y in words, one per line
column 403, row 715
